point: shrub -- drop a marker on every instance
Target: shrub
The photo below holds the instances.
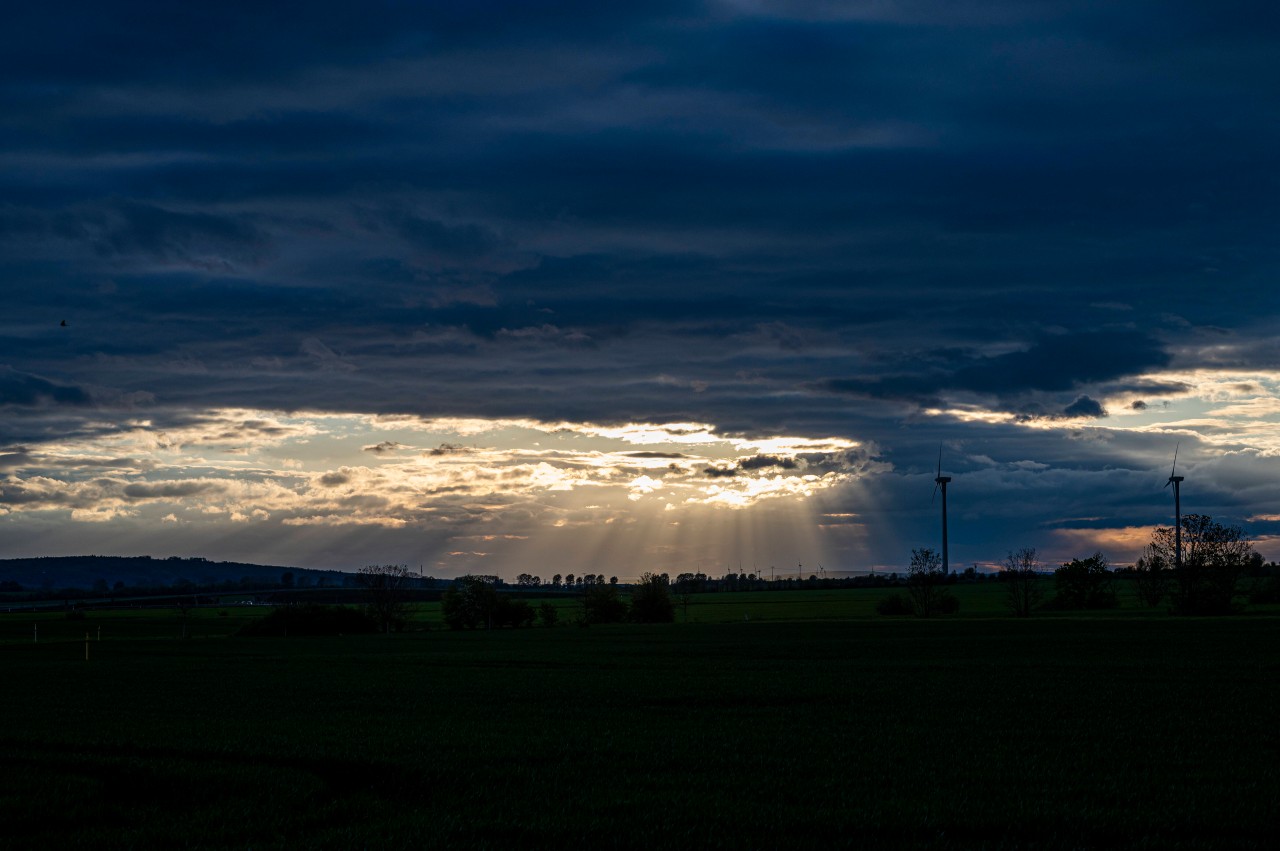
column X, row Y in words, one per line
column 1084, row 584
column 509, row 612
column 548, row 615
column 468, row 603
column 601, row 604
column 651, row 601
column 894, row 604
column 311, row 620
column 1267, row 591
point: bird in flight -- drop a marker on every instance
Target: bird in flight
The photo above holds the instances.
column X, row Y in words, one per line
column 64, row 323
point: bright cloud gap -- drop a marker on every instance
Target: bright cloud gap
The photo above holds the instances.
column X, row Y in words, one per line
column 316, row 469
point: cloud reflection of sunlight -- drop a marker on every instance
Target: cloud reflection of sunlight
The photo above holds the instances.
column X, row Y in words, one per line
column 667, row 497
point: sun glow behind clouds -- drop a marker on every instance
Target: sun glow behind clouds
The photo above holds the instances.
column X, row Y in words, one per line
column 503, row 482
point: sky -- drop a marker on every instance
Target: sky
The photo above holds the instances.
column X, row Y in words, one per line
column 567, row 287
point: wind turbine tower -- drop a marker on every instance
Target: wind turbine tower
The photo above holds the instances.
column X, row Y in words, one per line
column 1176, row 481
column 941, row 482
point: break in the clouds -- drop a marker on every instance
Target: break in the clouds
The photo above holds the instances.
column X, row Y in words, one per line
column 1040, row 235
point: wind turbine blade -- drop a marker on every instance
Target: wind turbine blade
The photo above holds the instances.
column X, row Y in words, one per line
column 1174, row 471
column 939, row 460
column 935, row 493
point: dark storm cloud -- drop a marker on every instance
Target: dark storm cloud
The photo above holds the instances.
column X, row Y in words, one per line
column 1085, row 407
column 1062, row 362
column 165, row 234
column 167, row 490
column 1052, row 364
column 19, row 388
column 455, row 243
column 760, row 462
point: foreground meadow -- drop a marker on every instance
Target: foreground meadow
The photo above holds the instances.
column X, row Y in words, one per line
column 727, row 731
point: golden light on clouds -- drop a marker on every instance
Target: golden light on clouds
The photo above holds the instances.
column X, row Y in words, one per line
column 1122, row 545
column 509, row 482
column 1221, row 408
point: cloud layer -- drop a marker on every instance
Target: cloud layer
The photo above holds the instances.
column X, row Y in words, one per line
column 1040, row 234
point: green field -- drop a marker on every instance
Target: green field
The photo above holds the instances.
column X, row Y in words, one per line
column 769, row 720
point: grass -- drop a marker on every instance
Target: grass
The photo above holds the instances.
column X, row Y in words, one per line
column 803, row 726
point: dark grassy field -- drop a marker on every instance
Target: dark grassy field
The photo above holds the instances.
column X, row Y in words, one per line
column 975, row 732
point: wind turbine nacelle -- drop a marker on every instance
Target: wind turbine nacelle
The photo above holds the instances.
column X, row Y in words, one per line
column 1176, row 479
column 942, row 480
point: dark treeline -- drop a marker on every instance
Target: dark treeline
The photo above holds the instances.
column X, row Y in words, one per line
column 114, row 573
column 702, row 583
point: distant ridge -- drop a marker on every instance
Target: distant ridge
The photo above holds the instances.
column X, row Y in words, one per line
column 54, row 572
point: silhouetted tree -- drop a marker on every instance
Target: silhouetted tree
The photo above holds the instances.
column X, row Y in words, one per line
column 468, row 603
column 651, row 600
column 386, row 588
column 1214, row 557
column 547, row 614
column 1085, row 583
column 601, row 604
column 926, row 584
column 1151, row 576
column 1021, row 576
column 684, row 588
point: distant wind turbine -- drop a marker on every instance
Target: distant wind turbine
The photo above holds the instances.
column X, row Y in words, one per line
column 1176, row 481
column 941, row 481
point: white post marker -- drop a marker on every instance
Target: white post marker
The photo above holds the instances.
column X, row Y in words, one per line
column 35, row 633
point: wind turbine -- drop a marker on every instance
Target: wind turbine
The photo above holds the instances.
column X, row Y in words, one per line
column 941, row 482
column 1176, row 481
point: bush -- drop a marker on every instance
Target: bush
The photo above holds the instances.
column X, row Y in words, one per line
column 472, row 602
column 509, row 612
column 894, row 604
column 1084, row 583
column 469, row 602
column 948, row 603
column 548, row 615
column 651, row 601
column 311, row 620
column 1267, row 591
column 601, row 604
